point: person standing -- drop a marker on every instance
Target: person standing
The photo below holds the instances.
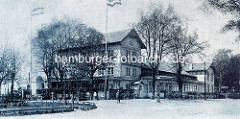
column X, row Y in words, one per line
column 118, row 96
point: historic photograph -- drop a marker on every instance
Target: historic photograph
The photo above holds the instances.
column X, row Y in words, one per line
column 119, row 59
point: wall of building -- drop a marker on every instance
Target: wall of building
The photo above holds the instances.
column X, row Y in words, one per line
column 131, row 46
column 209, row 79
column 169, row 85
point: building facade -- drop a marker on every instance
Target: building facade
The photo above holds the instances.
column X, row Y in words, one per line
column 123, row 72
column 165, row 82
column 125, row 47
column 205, row 73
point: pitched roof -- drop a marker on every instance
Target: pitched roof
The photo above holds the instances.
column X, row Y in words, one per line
column 119, row 36
column 113, row 37
column 168, row 67
column 199, row 66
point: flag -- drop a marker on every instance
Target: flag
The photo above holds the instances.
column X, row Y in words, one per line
column 112, row 3
column 37, row 11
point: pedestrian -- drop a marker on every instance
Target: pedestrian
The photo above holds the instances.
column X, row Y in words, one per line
column 117, row 96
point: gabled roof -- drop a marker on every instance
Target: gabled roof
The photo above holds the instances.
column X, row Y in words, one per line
column 199, row 66
column 115, row 37
column 168, row 67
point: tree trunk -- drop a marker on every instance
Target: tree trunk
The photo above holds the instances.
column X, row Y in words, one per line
column 153, row 83
column 0, row 88
column 158, row 91
column 220, row 83
column 64, row 91
column 92, row 84
column 61, row 74
column 12, row 85
column 179, row 78
column 49, row 85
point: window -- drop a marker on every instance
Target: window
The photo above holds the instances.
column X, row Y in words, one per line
column 128, row 71
column 150, row 87
column 212, row 77
column 110, row 53
column 212, row 88
column 127, row 86
column 101, row 87
column 184, row 86
column 161, row 87
column 134, row 56
column 127, row 53
column 110, row 71
column 100, row 72
column 146, row 88
column 208, row 88
column 134, row 72
column 131, row 42
column 207, row 76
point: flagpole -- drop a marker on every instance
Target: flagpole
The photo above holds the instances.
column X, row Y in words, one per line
column 31, row 48
column 106, row 30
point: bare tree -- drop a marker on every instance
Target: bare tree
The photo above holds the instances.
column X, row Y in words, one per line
column 91, row 47
column 69, row 38
column 10, row 63
column 155, row 29
column 94, row 49
column 230, row 6
column 4, row 65
column 52, row 38
column 182, row 46
column 14, row 66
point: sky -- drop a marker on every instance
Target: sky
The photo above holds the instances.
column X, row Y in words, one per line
column 18, row 26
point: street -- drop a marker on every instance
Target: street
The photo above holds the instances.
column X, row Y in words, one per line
column 149, row 109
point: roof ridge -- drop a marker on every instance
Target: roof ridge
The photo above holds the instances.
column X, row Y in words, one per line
column 119, row 31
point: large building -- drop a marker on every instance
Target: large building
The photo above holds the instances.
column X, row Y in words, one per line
column 137, row 76
column 119, row 74
column 122, row 73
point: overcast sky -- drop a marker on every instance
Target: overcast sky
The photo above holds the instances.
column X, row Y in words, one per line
column 16, row 26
